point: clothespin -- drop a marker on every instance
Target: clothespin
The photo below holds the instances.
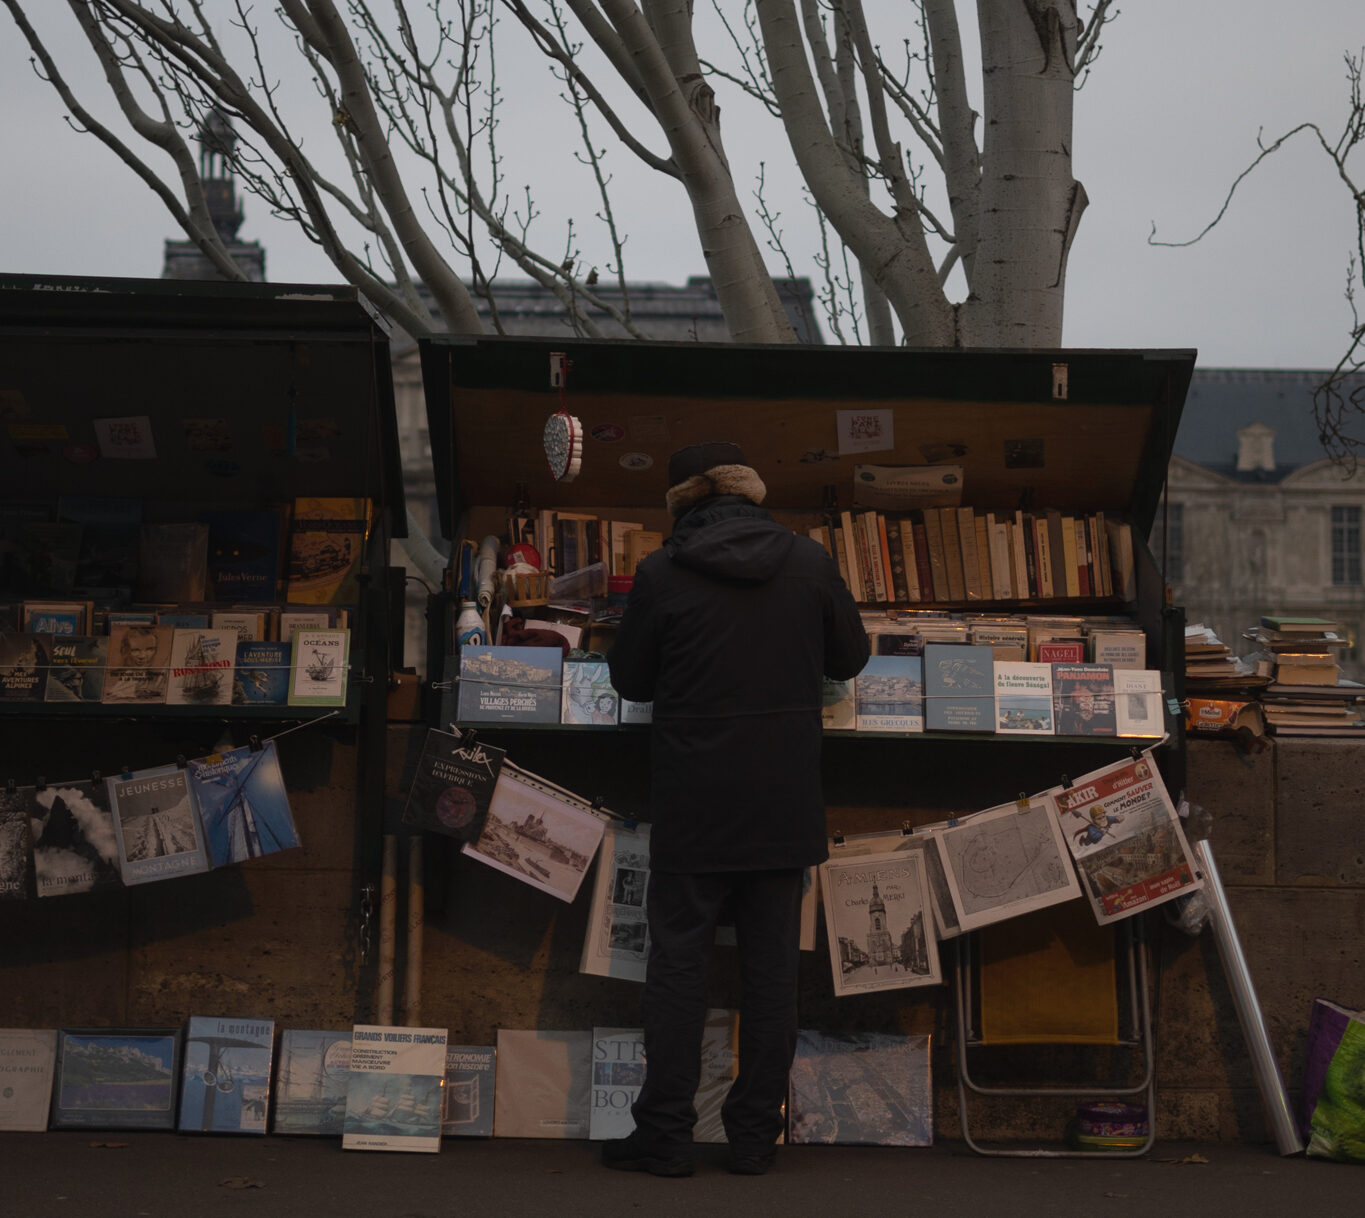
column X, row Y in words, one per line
column 630, row 824
column 180, row 762
column 1066, row 782
column 95, row 776
column 1135, row 752
column 9, row 786
column 40, row 783
column 907, row 829
column 838, row 838
column 953, row 822
column 1023, row 802
column 126, row 771
column 254, row 742
column 598, row 803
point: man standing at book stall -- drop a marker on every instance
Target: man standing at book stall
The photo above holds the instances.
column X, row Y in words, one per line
column 729, row 630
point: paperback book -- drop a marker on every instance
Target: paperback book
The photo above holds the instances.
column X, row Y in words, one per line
column 56, row 617
column 889, row 693
column 16, row 854
column 510, row 684
column 860, row 1089
column 395, row 1088
column 326, row 550
column 24, row 661
column 75, row 847
column 319, row 667
column 244, row 555
column 172, row 561
column 471, row 1075
column 618, row 1073
column 243, row 804
column 261, row 674
column 1083, row 699
column 225, row 1076
column 156, row 823
column 1023, row 698
column 76, row 669
column 138, row 663
column 28, row 1058
column 202, row 662
column 106, row 563
column 617, row 940
column 959, row 687
column 543, row 1084
column 310, row 1081
column 588, row 697
column 453, row 785
column 1137, row 702
column 838, row 707
column 116, row 1078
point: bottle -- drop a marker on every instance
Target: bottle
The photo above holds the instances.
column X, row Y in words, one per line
column 469, row 627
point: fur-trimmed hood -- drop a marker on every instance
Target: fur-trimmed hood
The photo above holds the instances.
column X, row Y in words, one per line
column 718, row 480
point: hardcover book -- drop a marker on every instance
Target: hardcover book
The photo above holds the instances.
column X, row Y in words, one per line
column 860, row 1089
column 310, row 1081
column 471, row 1080
column 617, row 940
column 305, row 619
column 225, row 1075
column 1118, row 648
column 959, row 687
column 16, row 852
column 56, row 617
column 889, row 692
column 24, row 660
column 106, row 564
column 618, row 1073
column 327, row 549
column 244, row 555
column 76, row 669
column 1061, row 651
column 75, row 848
column 172, row 561
column 320, row 664
column 138, row 663
column 1023, row 698
column 543, row 1085
column 243, row 804
column 1083, row 699
column 588, row 697
column 116, row 1078
column 453, row 785
column 395, row 1089
column 510, row 684
column 156, row 824
column 28, row 1058
column 202, row 662
column 261, row 674
column 51, row 551
column 1137, row 703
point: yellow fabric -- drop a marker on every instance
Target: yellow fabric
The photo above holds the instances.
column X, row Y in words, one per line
column 1048, row 978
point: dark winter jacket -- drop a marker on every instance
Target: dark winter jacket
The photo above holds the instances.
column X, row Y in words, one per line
column 729, row 629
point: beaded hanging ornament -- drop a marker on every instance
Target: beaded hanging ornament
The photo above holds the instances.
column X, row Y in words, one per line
column 563, row 431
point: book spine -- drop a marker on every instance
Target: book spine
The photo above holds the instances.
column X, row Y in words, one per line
column 1025, row 585
column 923, row 563
column 1070, row 559
column 1102, row 556
column 983, row 555
column 874, row 555
column 952, row 554
column 836, row 535
column 914, row 590
column 938, row 562
column 1000, row 559
column 855, row 566
column 1056, row 557
column 971, row 564
column 895, row 556
column 1083, row 564
column 1043, row 556
column 865, row 558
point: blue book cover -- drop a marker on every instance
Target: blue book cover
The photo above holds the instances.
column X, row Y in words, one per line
column 959, row 687
column 156, row 825
column 244, row 555
column 310, row 1081
column 510, row 684
column 262, row 674
column 889, row 694
column 116, row 1078
column 243, row 804
column 470, row 1075
column 225, row 1077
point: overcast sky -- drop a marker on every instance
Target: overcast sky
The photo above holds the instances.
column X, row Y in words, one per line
column 1167, row 121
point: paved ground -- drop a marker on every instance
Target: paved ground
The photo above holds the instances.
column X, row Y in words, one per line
column 166, row 1175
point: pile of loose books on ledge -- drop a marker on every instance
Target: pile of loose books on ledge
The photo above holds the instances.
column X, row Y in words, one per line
column 1210, row 665
column 1305, row 694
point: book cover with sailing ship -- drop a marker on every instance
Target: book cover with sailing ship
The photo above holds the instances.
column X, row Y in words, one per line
column 202, row 662
column 310, row 1081
column 225, row 1077
column 317, row 676
column 394, row 1093
column 243, row 803
column 156, row 824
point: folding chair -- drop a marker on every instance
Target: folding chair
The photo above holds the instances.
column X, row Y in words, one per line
column 1055, row 978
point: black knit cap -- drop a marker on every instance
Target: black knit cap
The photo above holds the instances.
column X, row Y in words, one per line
column 698, row 458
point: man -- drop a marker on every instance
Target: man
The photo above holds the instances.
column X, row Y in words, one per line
column 728, row 630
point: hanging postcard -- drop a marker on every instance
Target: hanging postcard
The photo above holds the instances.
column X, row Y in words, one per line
column 878, row 923
column 1125, row 836
column 156, row 823
column 866, row 431
column 454, row 783
column 617, row 939
column 243, row 804
column 1005, row 861
column 539, row 833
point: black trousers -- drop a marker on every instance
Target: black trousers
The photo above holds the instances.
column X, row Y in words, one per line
column 683, row 910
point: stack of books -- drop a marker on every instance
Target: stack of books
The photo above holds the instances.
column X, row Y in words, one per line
column 1210, row 663
column 1305, row 694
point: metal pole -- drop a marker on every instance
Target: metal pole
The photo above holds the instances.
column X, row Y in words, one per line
column 1267, row 1070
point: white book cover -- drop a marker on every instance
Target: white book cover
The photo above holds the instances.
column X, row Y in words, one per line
column 618, row 1073
column 249, row 627
column 617, row 940
column 1023, row 698
column 202, row 664
column 319, row 667
column 1119, row 648
column 1137, row 702
column 156, row 824
column 28, row 1058
column 636, row 712
column 920, row 840
column 395, row 1088
column 543, row 1087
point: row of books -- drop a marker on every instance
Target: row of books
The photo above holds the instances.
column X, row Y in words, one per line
column 309, row 550
column 948, row 687
column 145, row 664
column 571, row 541
column 964, row 554
column 1047, row 638
column 64, row 838
column 254, row 622
column 385, row 1087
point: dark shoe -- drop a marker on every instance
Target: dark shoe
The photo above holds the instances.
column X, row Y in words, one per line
column 751, row 1164
column 638, row 1154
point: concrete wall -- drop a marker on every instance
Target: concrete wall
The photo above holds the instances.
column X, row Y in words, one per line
column 282, row 936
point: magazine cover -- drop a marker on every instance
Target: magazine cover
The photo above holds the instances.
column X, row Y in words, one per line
column 889, row 694
column 860, row 1089
column 156, row 823
column 1005, row 861
column 878, row 922
column 617, row 940
column 116, row 1078
column 16, row 853
column 1125, row 836
column 618, row 1073
column 1023, row 698
column 544, row 1084
column 319, row 667
column 75, row 844
column 138, row 663
column 76, row 669
column 510, row 684
column 243, row 804
column 225, row 1076
column 538, row 833
column 310, row 1081
column 28, row 1058
column 471, row 1072
column 201, row 667
column 453, row 785
column 394, row 1092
